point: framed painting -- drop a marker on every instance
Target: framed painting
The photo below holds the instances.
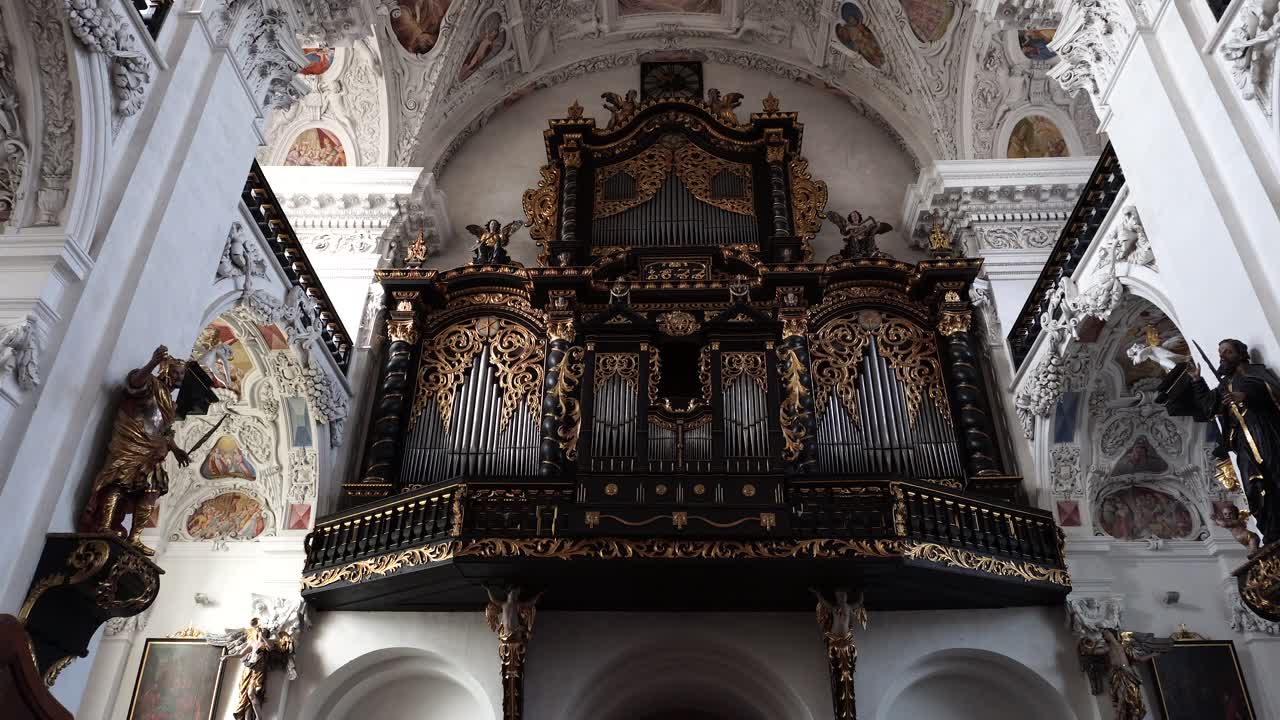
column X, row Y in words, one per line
column 1201, row 680
column 177, row 680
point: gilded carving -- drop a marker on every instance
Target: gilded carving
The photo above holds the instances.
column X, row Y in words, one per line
column 515, row 351
column 911, row 352
column 734, row 365
column 791, row 411
column 952, row 322
column 622, row 365
column 808, row 202
column 678, row 323
column 695, row 168
column 541, row 204
column 568, row 409
column 607, row 548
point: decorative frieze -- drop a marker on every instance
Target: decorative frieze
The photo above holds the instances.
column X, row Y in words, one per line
column 57, row 141
column 14, row 151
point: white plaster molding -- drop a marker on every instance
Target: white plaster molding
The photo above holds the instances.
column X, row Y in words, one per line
column 1019, row 13
column 1092, row 41
column 101, row 29
column 422, row 209
column 1064, row 471
column 15, row 152
column 347, row 211
column 966, row 195
column 1243, row 620
column 262, row 39
column 242, row 259
column 57, row 114
column 1089, row 615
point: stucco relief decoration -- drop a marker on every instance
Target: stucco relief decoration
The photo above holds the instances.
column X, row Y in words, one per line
column 20, row 348
column 1065, row 470
column 241, row 259
column 1249, row 50
column 102, row 30
column 1090, row 41
column 643, row 7
column 255, row 474
column 264, row 45
column 57, row 141
column 14, row 151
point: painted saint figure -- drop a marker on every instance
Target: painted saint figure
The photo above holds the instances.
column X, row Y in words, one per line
column 134, row 477
column 1246, row 403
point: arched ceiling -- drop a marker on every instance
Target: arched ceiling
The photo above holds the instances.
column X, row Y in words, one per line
column 901, row 63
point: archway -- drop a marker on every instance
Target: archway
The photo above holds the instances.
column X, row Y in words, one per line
column 399, row 684
column 970, row 684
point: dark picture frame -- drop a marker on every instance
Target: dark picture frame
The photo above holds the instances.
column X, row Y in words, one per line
column 178, row 676
column 1201, row 680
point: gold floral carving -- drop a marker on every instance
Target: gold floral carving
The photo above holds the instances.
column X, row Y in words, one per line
column 1262, row 576
column 402, row 330
column 655, row 374
column 621, row 365
column 540, row 207
column 108, row 590
column 515, row 351
column 606, row 548
column 704, row 371
column 791, row 411
column 695, row 168
column 808, row 201
column 51, row 675
column 675, row 270
column 912, row 353
column 678, row 323
column 968, row 560
column 952, row 322
column 649, row 169
column 568, row 409
column 734, row 365
column 86, row 560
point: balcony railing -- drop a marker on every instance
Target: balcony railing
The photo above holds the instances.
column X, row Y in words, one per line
column 1077, row 235
column 909, row 521
column 284, row 243
column 153, row 13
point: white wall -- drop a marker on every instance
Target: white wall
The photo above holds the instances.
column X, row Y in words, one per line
column 863, row 168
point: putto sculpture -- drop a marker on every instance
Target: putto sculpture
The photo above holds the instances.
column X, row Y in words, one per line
column 491, row 242
column 859, row 235
column 268, row 643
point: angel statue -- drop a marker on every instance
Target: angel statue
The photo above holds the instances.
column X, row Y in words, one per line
column 722, row 106
column 134, row 476
column 620, row 107
column 267, row 644
column 1165, row 353
column 859, row 235
column 836, row 620
column 1122, row 648
column 491, row 242
column 511, row 618
column 19, row 348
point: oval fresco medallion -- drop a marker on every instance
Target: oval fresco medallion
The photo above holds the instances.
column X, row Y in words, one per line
column 229, row 516
column 929, row 19
column 1137, row 513
column 853, row 33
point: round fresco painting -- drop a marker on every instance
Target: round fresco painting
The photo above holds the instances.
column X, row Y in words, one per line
column 1036, row 136
column 854, row 34
column 229, row 516
column 416, row 23
column 1035, row 44
column 316, row 147
column 1137, row 513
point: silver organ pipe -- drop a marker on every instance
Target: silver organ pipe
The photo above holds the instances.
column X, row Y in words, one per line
column 474, row 445
column 883, row 440
column 673, row 216
column 746, row 438
column 697, row 446
column 613, row 428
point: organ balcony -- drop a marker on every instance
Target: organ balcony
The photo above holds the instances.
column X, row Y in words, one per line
column 679, row 408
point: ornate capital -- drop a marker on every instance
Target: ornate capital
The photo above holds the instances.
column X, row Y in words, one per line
column 100, row 29
column 401, row 321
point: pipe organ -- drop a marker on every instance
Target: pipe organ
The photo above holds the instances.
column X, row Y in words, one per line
column 676, row 345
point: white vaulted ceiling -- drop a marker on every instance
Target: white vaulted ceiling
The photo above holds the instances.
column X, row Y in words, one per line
column 940, row 76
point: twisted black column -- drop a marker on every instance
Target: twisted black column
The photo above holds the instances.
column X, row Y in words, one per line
column 778, row 199
column 561, row 411
column 974, row 429
column 382, row 457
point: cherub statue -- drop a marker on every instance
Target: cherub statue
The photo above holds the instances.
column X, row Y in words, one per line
column 621, row 108
column 267, row 644
column 19, row 348
column 134, row 477
column 1122, row 648
column 722, row 107
column 859, row 235
column 1165, row 353
column 491, row 242
column 1237, row 521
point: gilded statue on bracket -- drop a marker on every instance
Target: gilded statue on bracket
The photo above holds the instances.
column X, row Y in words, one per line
column 268, row 643
column 134, row 477
column 1122, row 648
column 491, row 242
column 836, row 618
column 859, row 235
